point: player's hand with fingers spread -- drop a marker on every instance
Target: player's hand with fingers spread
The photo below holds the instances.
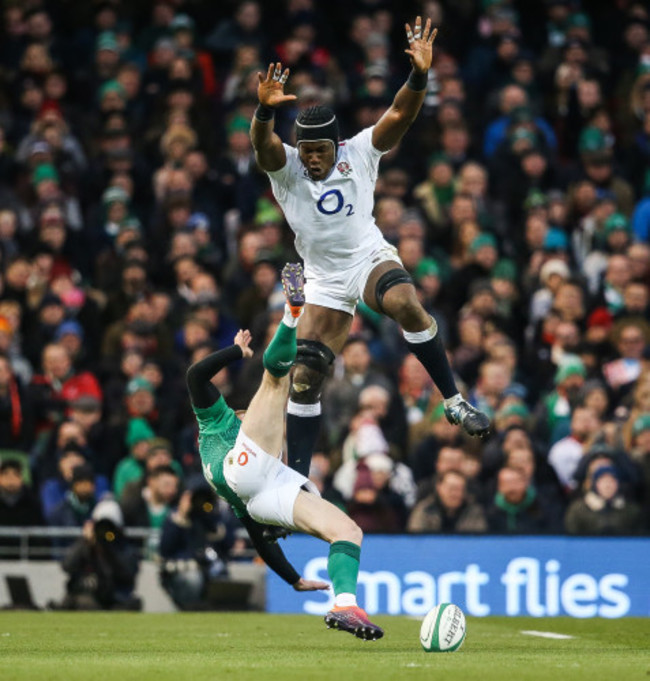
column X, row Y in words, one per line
column 270, row 90
column 243, row 339
column 309, row 585
column 420, row 48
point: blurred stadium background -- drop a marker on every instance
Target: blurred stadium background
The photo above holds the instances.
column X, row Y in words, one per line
column 137, row 235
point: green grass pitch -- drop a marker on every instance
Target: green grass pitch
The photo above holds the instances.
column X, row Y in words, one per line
column 243, row 647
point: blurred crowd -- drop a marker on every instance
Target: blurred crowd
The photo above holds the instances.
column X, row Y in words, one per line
column 137, row 235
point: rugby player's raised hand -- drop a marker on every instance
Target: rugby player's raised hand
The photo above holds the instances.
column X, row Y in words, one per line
column 420, row 48
column 270, row 90
column 243, row 339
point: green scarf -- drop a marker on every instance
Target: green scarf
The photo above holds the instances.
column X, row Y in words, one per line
column 81, row 508
column 512, row 510
column 444, row 195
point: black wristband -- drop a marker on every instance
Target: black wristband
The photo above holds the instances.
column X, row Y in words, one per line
column 264, row 113
column 417, row 81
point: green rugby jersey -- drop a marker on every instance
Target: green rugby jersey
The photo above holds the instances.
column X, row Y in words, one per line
column 218, row 430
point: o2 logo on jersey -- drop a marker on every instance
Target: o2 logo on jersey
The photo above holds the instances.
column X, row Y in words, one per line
column 332, row 202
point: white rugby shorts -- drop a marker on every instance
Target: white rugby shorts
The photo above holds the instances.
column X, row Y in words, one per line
column 266, row 485
column 343, row 289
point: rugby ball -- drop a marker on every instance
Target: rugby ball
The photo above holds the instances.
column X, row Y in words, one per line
column 443, row 629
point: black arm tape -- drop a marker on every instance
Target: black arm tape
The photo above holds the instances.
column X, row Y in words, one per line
column 417, row 81
column 315, row 355
column 387, row 280
column 264, row 113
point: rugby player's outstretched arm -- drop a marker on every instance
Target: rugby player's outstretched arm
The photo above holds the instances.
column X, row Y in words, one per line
column 199, row 376
column 391, row 127
column 270, row 553
column 274, row 557
column 269, row 151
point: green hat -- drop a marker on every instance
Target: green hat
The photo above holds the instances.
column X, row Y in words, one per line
column 535, row 199
column 238, row 123
column 112, row 86
column 523, row 134
column 107, row 41
column 571, row 366
column 482, row 240
column 591, row 140
column 521, row 114
column 44, row 172
column 137, row 431
column 114, row 195
column 131, row 222
column 138, row 383
column 267, row 212
column 642, row 423
column 617, row 222
column 514, row 409
column 579, row 20
column 505, row 269
column 427, row 267
column 181, row 22
column 438, row 158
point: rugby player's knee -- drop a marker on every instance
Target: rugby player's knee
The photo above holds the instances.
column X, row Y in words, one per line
column 312, row 364
column 306, row 385
column 408, row 312
column 348, row 530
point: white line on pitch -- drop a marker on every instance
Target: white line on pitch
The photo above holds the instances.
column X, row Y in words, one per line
column 545, row 634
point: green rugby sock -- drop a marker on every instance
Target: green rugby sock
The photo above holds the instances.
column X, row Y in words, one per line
column 281, row 352
column 343, row 566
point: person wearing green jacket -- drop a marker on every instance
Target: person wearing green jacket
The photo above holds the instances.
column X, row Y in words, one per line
column 138, row 435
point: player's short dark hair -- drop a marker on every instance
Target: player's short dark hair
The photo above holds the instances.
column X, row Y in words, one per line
column 317, row 123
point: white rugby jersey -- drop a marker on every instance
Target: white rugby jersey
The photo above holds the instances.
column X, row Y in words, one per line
column 332, row 219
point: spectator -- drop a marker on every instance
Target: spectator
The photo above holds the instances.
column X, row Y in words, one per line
column 15, row 409
column 18, row 506
column 554, row 413
column 374, row 506
column 640, row 452
column 448, row 510
column 341, row 395
column 516, row 508
column 603, row 510
column 566, row 453
column 79, row 500
column 367, row 439
column 149, row 506
column 54, row 490
column 138, row 436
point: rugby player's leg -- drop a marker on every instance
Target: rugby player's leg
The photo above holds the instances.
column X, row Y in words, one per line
column 264, row 419
column 322, row 333
column 387, row 291
column 320, row 518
